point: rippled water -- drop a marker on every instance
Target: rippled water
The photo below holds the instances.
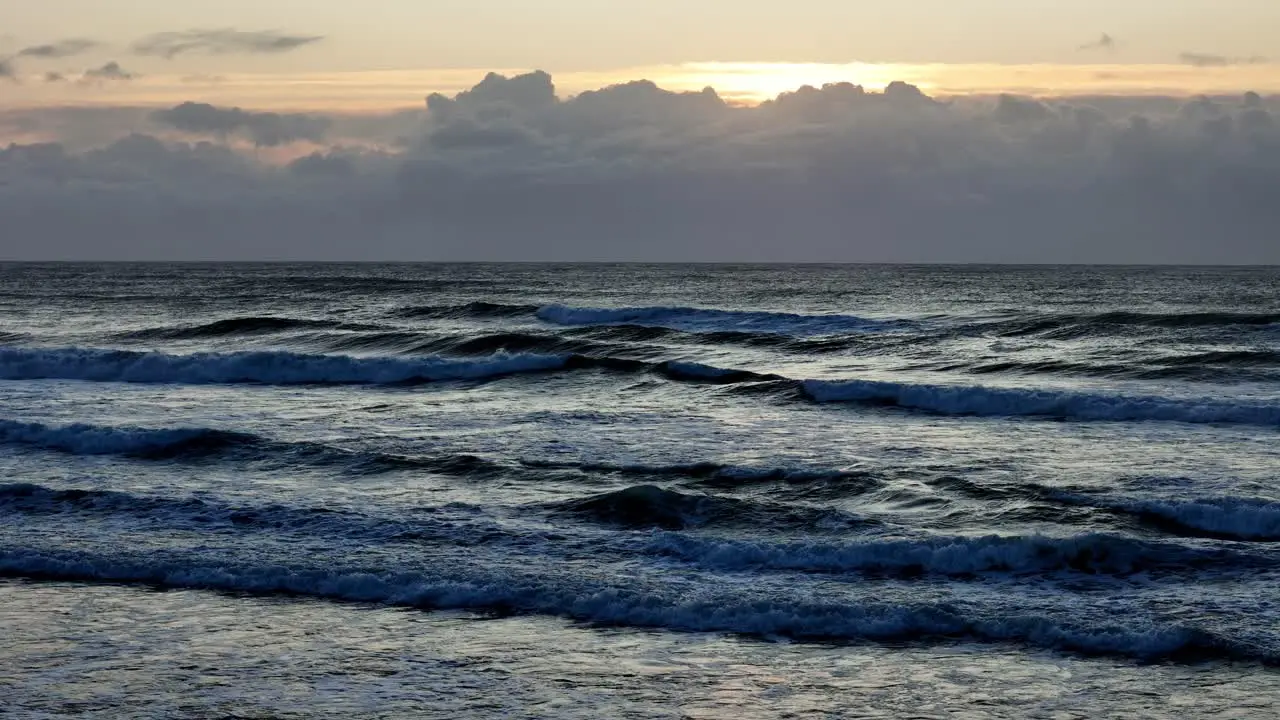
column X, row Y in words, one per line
column 639, row 491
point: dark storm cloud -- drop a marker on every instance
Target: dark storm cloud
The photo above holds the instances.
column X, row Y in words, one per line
column 508, row 170
column 1210, row 60
column 110, row 71
column 220, row 41
column 60, row 49
column 264, row 129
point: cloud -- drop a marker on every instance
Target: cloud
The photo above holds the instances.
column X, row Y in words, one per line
column 511, row 171
column 54, row 77
column 108, row 72
column 265, row 129
column 1104, row 42
column 7, row 70
column 1210, row 60
column 223, row 41
column 60, row 49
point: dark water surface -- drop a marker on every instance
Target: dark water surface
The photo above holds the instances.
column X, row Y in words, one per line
column 639, row 491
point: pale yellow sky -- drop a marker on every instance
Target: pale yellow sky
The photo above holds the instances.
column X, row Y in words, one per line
column 745, row 83
column 388, row 53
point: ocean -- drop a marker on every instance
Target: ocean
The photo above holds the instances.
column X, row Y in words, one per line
column 639, row 491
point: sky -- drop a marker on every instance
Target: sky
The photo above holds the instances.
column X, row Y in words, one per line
column 405, row 45
column 989, row 130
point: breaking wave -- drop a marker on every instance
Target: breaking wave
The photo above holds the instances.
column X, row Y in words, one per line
column 635, row 604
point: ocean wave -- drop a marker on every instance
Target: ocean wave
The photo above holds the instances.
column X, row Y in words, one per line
column 1231, row 518
column 478, row 309
column 286, row 368
column 273, row 368
column 651, row 506
column 1230, row 358
column 242, row 326
column 703, row 319
column 1217, row 366
column 1016, row 402
column 514, row 342
column 206, row 514
column 672, row 607
column 779, row 341
column 722, row 474
column 1071, row 326
column 82, row 439
column 190, row 442
column 1097, row 554
column 698, row 372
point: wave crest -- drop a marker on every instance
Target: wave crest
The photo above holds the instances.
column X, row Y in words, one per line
column 717, row 610
column 242, row 326
column 273, row 368
column 82, row 439
column 1014, row 402
column 1092, row 554
column 477, row 309
column 704, row 319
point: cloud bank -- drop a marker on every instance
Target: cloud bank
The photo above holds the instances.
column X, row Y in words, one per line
column 220, row 41
column 1208, row 60
column 264, row 129
column 510, row 171
column 107, row 72
column 60, row 49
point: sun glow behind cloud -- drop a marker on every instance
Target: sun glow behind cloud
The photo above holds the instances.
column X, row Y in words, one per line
column 741, row 82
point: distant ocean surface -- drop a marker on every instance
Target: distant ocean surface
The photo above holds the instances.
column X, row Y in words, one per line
column 633, row 491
